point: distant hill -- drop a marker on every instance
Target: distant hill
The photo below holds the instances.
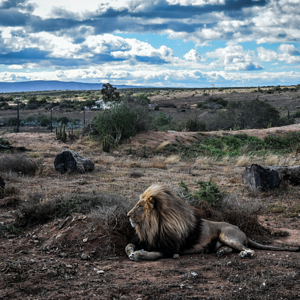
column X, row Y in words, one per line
column 34, row 86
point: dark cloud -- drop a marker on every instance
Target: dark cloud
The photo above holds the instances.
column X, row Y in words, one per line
column 7, row 4
column 39, row 24
column 23, row 56
column 13, row 17
column 123, row 19
column 162, row 9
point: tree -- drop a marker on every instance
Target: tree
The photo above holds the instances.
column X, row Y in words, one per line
column 248, row 115
column 109, row 93
column 121, row 121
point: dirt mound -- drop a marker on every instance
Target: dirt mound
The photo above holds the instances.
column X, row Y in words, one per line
column 153, row 139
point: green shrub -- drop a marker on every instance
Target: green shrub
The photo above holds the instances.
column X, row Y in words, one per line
column 248, row 115
column 195, row 125
column 296, row 114
column 121, row 121
column 208, row 191
column 45, row 122
column 159, row 121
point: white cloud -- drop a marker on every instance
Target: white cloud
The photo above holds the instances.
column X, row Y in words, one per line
column 192, row 55
column 266, row 54
column 15, row 67
column 154, row 75
column 286, row 53
column 234, row 58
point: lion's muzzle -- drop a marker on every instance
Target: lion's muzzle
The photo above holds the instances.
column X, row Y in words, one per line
column 132, row 223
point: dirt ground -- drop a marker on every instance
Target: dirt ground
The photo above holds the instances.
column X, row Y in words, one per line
column 61, row 259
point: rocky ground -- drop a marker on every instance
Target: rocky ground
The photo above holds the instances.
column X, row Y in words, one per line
column 71, row 258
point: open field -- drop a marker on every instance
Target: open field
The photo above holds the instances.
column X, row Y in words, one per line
column 73, row 258
column 184, row 102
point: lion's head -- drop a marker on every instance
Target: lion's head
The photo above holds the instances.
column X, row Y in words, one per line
column 162, row 220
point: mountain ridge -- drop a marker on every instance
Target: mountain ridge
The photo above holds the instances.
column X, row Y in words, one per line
column 51, row 85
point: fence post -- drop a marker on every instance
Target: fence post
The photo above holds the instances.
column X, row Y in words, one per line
column 84, row 117
column 51, row 116
column 18, row 118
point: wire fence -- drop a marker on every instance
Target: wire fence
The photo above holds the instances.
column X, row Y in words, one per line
column 45, row 120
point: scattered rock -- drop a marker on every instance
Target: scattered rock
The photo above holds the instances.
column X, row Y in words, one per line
column 85, row 256
column 176, row 256
column 71, row 162
column 258, row 178
column 135, row 175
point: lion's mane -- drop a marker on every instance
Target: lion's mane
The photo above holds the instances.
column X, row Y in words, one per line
column 169, row 225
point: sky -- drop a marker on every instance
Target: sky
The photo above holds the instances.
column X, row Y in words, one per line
column 159, row 43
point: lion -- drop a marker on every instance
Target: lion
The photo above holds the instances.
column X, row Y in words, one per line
column 166, row 225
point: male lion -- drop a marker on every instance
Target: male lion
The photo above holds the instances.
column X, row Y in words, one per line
column 166, row 225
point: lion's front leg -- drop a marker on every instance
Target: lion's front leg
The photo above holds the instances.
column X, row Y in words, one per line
column 145, row 255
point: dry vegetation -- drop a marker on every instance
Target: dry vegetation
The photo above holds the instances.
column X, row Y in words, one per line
column 63, row 236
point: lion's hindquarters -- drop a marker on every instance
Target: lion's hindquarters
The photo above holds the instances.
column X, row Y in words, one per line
column 233, row 237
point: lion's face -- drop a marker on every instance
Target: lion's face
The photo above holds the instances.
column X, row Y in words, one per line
column 140, row 211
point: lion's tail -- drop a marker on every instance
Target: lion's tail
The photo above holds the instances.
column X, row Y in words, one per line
column 265, row 247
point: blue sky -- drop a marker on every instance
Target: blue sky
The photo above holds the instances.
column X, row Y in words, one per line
column 168, row 43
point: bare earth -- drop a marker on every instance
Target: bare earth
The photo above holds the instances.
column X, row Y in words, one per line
column 61, row 259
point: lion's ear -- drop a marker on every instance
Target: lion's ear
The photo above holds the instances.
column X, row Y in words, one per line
column 150, row 202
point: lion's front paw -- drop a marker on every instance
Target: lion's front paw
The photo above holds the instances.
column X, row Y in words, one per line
column 129, row 249
column 246, row 253
column 138, row 255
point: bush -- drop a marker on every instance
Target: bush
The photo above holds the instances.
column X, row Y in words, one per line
column 19, row 163
column 45, row 122
column 208, row 191
column 195, row 125
column 12, row 121
column 296, row 114
column 159, row 121
column 121, row 121
column 248, row 115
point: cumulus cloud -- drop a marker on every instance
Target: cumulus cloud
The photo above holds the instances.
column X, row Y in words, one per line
column 286, row 53
column 71, row 36
column 192, row 55
column 234, row 58
column 266, row 54
column 155, row 76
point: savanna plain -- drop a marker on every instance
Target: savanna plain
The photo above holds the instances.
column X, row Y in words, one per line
column 62, row 236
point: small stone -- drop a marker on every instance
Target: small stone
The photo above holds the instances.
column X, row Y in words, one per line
column 100, row 272
column 85, row 256
column 63, row 254
column 69, row 266
column 24, row 251
column 85, row 240
column 175, row 256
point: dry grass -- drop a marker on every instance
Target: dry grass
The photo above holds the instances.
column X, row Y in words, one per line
column 272, row 160
column 161, row 147
column 173, row 159
column 243, row 161
column 21, row 164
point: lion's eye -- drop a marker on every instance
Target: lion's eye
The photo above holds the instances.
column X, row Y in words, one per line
column 138, row 207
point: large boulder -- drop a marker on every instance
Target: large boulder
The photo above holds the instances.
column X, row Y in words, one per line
column 71, row 162
column 258, row 178
column 2, row 187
